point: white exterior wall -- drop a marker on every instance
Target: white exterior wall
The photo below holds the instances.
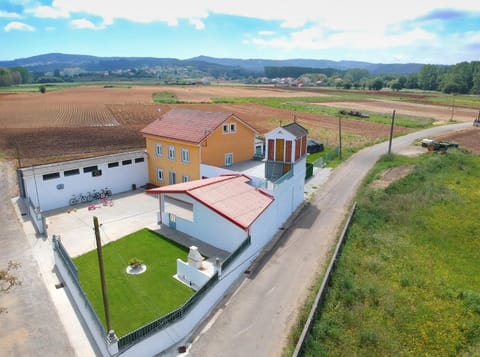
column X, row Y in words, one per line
column 289, row 194
column 78, row 299
column 214, row 171
column 46, row 194
column 192, row 275
column 207, row 226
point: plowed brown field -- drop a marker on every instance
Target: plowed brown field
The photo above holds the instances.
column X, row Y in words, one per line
column 92, row 120
column 438, row 113
column 468, row 139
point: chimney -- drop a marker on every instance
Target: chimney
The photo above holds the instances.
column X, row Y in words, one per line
column 195, row 259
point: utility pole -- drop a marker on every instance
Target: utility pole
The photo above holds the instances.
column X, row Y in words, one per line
column 391, row 134
column 453, row 106
column 340, row 137
column 102, row 273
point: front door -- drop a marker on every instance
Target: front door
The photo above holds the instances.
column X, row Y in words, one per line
column 172, row 178
column 229, row 159
column 172, row 221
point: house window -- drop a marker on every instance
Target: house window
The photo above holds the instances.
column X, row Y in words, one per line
column 126, row 162
column 185, row 155
column 159, row 175
column 90, row 169
column 71, row 172
column 51, row 176
column 158, row 150
column 172, row 178
column 229, row 128
column 171, row 152
column 229, row 159
column 112, row 164
column 185, row 178
column 139, row 159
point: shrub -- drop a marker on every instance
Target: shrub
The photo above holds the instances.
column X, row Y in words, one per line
column 135, row 263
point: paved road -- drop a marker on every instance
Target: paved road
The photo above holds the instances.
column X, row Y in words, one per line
column 258, row 316
column 32, row 326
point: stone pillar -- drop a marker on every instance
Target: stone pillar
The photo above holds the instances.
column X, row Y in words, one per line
column 112, row 343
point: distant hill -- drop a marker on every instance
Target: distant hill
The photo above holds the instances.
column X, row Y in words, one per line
column 260, row 64
column 59, row 61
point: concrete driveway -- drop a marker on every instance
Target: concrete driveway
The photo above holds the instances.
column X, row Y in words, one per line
column 127, row 213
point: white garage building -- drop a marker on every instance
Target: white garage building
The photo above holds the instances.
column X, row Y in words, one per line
column 51, row 186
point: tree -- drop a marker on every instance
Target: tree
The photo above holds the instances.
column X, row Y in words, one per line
column 475, row 77
column 42, row 89
column 8, row 280
column 429, row 77
column 396, row 85
column 375, row 84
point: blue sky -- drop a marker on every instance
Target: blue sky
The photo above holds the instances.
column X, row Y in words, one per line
column 422, row 31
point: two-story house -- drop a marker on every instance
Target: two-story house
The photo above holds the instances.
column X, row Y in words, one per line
column 183, row 139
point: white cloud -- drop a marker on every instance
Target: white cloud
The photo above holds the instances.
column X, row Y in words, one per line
column 199, row 25
column 266, row 33
column 48, row 12
column 338, row 15
column 85, row 24
column 18, row 26
column 10, row 15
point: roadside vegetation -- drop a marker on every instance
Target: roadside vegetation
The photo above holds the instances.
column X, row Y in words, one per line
column 135, row 300
column 408, row 279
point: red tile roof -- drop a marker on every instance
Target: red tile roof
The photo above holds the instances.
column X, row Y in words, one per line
column 187, row 124
column 230, row 196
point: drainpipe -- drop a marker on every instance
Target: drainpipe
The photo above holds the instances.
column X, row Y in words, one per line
column 160, row 207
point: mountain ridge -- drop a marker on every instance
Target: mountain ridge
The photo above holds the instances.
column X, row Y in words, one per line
column 53, row 61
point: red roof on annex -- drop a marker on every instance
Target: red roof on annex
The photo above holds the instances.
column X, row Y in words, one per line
column 231, row 196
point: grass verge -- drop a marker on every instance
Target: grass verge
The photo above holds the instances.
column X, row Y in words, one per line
column 408, row 280
column 135, row 300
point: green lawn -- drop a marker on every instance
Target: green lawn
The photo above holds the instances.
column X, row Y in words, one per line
column 135, row 299
column 408, row 280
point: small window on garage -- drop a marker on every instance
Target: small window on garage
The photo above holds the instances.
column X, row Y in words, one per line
column 90, row 169
column 71, row 172
column 139, row 159
column 112, row 164
column 51, row 176
column 126, row 162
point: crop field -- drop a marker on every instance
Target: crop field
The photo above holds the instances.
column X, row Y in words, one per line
column 84, row 121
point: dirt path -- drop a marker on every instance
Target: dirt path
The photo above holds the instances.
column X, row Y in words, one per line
column 31, row 327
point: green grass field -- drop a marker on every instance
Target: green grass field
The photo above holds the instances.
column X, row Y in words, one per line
column 135, row 300
column 313, row 105
column 408, row 280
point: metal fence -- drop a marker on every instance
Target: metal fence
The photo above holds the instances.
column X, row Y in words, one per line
column 236, row 252
column 162, row 322
column 320, row 297
column 178, row 314
column 73, row 272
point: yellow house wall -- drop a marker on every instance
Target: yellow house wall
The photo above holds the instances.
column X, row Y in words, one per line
column 241, row 143
column 191, row 169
